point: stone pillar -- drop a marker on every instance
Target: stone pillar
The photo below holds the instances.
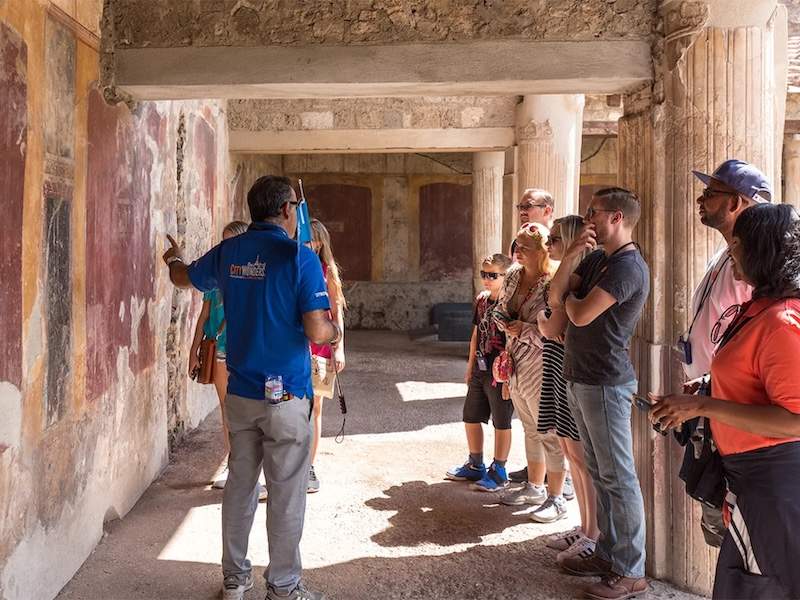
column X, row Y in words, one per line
column 549, row 129
column 718, row 94
column 791, row 169
column 487, row 208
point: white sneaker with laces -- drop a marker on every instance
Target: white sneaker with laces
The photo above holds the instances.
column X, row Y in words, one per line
column 527, row 494
column 583, row 548
column 553, row 509
column 219, row 484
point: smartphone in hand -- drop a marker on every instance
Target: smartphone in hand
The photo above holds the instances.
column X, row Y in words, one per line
column 644, row 404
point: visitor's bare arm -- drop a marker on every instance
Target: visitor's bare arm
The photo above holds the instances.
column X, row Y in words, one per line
column 178, row 271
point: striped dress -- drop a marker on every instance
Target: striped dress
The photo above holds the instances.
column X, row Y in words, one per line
column 554, row 412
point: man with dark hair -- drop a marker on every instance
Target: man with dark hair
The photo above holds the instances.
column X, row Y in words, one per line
column 603, row 296
column 732, row 188
column 275, row 301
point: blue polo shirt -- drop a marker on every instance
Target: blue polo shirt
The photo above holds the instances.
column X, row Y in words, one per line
column 267, row 282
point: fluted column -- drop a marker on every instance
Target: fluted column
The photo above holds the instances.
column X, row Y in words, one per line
column 791, row 169
column 718, row 94
column 549, row 129
column 487, row 207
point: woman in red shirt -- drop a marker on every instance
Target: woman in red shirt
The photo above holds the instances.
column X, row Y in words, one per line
column 754, row 410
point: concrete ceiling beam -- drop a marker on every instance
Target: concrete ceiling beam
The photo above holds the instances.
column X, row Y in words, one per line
column 486, row 67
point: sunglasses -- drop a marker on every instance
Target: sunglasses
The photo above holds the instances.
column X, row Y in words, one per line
column 716, row 331
column 710, row 193
column 553, row 239
column 490, row 275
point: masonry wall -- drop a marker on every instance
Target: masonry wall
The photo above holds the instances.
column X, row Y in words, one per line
column 93, row 352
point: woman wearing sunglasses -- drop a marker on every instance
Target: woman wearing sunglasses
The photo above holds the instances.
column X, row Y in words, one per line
column 522, row 299
column 754, row 410
column 484, row 395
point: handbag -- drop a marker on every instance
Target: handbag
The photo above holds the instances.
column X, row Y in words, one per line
column 503, row 367
column 208, row 356
column 323, row 376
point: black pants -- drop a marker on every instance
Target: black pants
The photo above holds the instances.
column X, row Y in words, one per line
column 760, row 554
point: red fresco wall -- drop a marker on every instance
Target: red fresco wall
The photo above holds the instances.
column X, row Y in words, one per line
column 13, row 130
column 445, row 231
column 119, row 257
column 346, row 211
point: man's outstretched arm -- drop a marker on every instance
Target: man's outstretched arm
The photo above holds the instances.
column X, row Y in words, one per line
column 178, row 270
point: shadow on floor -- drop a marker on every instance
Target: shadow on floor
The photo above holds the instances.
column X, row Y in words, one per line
column 443, row 514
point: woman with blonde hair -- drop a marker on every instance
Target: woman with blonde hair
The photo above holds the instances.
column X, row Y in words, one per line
column 211, row 325
column 323, row 371
column 523, row 297
column 555, row 414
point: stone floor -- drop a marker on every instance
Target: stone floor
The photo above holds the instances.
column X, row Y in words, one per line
column 385, row 525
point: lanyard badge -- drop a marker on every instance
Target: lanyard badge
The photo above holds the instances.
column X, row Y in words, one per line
column 304, row 235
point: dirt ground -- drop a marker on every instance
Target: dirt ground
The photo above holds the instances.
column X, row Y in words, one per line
column 384, row 525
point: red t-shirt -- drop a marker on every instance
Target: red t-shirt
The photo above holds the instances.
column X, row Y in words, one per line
column 759, row 365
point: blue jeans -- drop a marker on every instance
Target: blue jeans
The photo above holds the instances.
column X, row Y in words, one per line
column 603, row 416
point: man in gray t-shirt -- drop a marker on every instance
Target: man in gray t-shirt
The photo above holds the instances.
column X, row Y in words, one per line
column 603, row 296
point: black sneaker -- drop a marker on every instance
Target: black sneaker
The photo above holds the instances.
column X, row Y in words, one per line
column 520, row 476
column 313, row 482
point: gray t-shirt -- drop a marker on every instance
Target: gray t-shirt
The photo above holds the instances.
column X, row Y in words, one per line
column 597, row 354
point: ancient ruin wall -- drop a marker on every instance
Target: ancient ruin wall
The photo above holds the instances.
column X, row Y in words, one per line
column 168, row 23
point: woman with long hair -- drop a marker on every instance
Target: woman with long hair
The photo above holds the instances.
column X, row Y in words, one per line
column 754, row 410
column 522, row 298
column 211, row 325
column 325, row 364
column 555, row 414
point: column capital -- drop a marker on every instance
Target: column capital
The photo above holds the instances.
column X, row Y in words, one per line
column 533, row 130
column 692, row 15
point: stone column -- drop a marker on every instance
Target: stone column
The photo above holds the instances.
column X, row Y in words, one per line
column 549, row 129
column 718, row 94
column 791, row 169
column 487, row 208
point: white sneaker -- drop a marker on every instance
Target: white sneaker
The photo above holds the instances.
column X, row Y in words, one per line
column 262, row 493
column 583, row 548
column 562, row 541
column 527, row 494
column 553, row 509
column 219, row 484
column 233, row 588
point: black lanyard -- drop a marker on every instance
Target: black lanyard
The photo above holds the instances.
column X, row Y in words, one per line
column 739, row 322
column 707, row 289
column 601, row 266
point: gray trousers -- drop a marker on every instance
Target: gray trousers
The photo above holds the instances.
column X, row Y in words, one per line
column 279, row 437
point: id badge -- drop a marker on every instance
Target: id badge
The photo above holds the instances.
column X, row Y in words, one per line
column 481, row 359
column 685, row 347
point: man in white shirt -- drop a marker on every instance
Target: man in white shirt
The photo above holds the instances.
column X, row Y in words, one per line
column 732, row 188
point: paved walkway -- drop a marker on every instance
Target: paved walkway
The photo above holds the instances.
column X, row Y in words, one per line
column 385, row 524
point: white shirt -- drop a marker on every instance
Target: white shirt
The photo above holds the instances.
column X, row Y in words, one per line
column 725, row 291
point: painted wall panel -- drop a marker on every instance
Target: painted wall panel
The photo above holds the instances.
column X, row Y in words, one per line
column 445, row 231
column 13, row 136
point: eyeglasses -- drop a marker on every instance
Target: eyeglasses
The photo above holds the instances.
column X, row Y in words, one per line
column 553, row 239
column 711, row 192
column 717, row 332
column 294, row 202
column 490, row 275
column 591, row 211
column 529, row 206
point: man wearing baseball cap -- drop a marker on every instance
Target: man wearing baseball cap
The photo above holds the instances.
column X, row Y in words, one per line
column 733, row 187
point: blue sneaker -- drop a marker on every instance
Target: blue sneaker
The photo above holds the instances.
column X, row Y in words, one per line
column 466, row 472
column 495, row 479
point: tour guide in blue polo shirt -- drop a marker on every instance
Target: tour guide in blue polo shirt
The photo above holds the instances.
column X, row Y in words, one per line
column 275, row 301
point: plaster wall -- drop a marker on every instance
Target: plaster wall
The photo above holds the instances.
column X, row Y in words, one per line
column 92, row 359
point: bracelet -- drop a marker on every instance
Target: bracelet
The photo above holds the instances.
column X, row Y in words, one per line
column 174, row 259
column 338, row 337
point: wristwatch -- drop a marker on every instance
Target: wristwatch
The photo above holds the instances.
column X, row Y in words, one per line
column 173, row 259
column 338, row 337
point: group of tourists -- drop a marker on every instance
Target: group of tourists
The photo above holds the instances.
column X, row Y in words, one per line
column 551, row 342
column 552, row 332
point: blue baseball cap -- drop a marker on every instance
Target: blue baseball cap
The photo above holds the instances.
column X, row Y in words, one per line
column 742, row 177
